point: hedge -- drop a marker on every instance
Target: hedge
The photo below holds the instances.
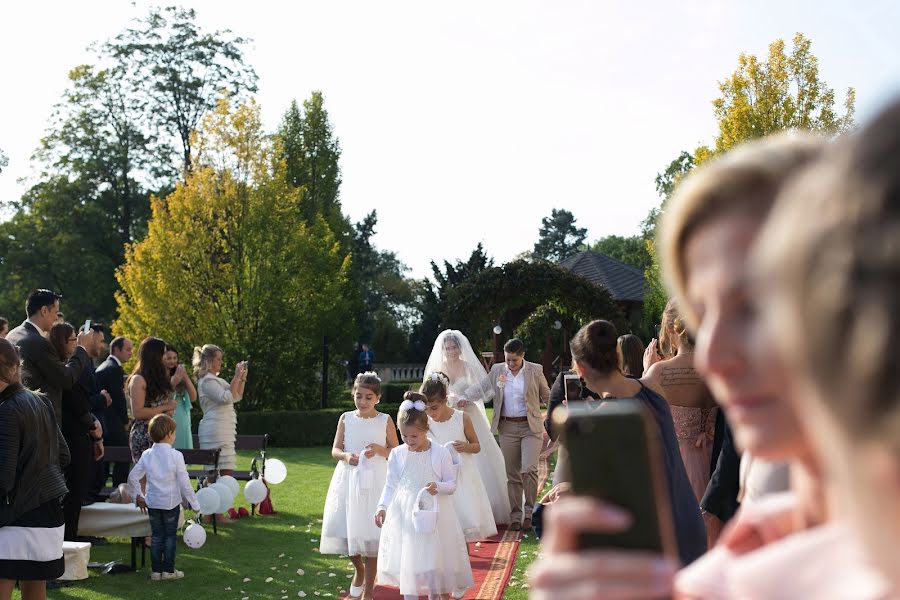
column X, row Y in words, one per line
column 293, row 428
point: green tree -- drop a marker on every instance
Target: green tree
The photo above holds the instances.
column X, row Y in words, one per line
column 312, row 154
column 180, row 69
column 4, row 161
column 54, row 241
column 629, row 250
column 434, row 297
column 558, row 237
column 384, row 296
column 229, row 260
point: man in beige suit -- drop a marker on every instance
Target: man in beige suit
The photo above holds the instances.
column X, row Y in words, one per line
column 521, row 390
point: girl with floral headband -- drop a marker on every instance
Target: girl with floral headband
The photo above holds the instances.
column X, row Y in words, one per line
column 362, row 443
column 453, row 429
column 420, row 559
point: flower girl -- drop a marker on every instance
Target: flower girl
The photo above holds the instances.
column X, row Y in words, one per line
column 422, row 550
column 363, row 441
column 454, row 430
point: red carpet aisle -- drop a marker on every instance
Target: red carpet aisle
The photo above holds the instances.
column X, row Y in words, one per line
column 492, row 564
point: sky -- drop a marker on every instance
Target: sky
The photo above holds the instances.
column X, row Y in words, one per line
column 467, row 122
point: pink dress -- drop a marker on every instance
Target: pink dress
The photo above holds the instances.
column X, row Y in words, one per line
column 822, row 563
column 695, row 428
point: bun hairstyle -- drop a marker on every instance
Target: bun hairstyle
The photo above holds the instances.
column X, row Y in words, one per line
column 594, row 347
column 412, row 417
column 435, row 386
column 369, row 380
column 674, row 325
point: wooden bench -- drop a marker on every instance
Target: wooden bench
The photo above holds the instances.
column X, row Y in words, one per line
column 247, row 442
column 191, row 457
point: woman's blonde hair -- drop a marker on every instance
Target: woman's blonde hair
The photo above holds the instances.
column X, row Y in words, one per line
column 673, row 324
column 744, row 180
column 203, row 357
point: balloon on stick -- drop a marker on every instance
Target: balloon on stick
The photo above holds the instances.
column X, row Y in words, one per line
column 208, row 500
column 276, row 471
column 255, row 491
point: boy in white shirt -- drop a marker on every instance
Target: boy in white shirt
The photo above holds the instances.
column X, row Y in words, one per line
column 167, row 483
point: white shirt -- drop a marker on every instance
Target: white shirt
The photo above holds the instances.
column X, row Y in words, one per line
column 441, row 464
column 36, row 326
column 118, row 362
column 167, row 478
column 514, row 395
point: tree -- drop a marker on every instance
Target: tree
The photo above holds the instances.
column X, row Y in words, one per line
column 782, row 93
column 757, row 99
column 384, row 297
column 229, row 260
column 558, row 236
column 58, row 243
column 312, row 153
column 629, row 250
column 181, row 70
column 4, row 161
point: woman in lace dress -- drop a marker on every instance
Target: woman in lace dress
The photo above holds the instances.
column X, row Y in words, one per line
column 469, row 391
column 218, row 427
column 693, row 407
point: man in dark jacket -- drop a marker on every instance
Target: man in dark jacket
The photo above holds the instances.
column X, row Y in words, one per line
column 82, row 434
column 111, row 377
column 42, row 368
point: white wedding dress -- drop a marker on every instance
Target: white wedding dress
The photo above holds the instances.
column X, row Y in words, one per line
column 475, row 389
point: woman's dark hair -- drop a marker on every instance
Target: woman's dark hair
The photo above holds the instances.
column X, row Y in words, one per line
column 58, row 337
column 413, row 417
column 3, row 322
column 594, row 346
column 631, row 355
column 9, row 362
column 435, row 386
column 181, row 385
column 514, row 346
column 150, row 366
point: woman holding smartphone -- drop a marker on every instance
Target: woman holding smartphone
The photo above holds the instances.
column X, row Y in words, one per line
column 218, row 427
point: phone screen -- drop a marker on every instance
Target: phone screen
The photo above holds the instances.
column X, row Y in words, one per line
column 615, row 456
column 87, row 326
column 572, row 386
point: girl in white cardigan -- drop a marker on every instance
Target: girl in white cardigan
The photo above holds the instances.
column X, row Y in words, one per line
column 436, row 563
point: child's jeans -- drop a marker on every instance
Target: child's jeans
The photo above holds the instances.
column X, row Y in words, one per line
column 164, row 527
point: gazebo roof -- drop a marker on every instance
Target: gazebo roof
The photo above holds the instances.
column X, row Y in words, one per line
column 623, row 282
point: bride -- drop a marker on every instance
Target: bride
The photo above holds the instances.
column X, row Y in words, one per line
column 469, row 390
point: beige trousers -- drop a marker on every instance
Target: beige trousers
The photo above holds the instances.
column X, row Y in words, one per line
column 521, row 449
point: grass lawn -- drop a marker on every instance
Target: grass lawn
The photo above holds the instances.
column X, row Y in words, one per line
column 258, row 557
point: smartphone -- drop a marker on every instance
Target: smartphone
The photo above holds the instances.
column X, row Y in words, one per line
column 572, row 386
column 87, row 326
column 615, row 455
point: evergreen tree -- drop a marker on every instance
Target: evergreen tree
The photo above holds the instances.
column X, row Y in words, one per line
column 558, row 237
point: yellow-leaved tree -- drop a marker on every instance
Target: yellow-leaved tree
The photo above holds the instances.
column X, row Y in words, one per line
column 783, row 92
column 229, row 259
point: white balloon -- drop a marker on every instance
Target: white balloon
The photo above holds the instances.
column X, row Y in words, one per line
column 276, row 471
column 225, row 499
column 232, row 484
column 255, row 491
column 209, row 501
column 194, row 535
